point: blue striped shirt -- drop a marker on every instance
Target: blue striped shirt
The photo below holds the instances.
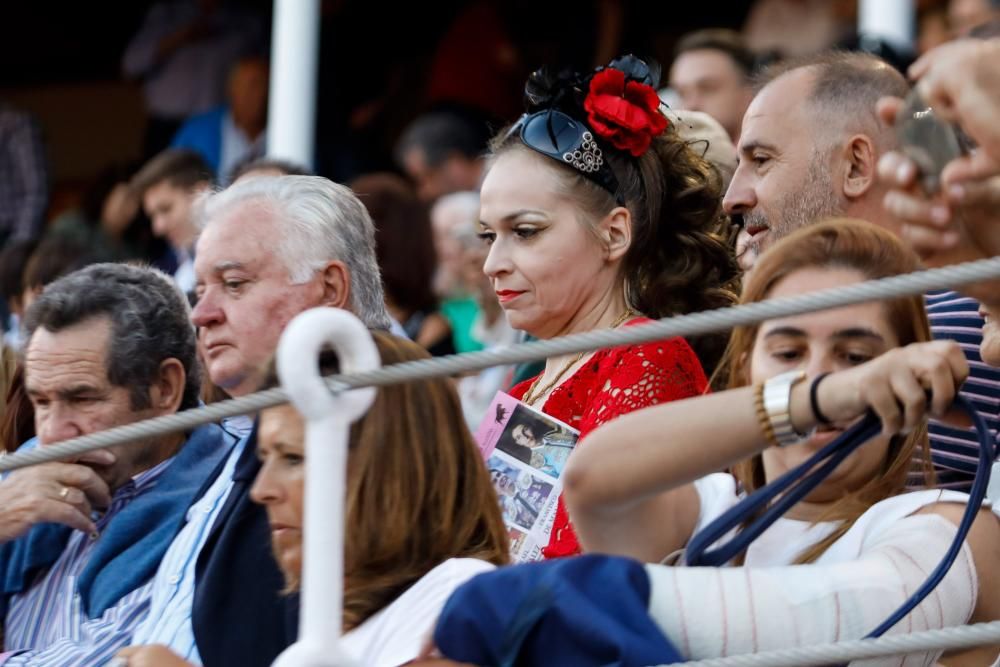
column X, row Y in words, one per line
column 955, row 451
column 169, row 618
column 48, row 619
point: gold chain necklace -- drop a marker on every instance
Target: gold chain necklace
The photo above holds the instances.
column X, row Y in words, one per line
column 531, row 396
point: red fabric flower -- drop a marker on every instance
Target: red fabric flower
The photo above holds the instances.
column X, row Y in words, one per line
column 625, row 113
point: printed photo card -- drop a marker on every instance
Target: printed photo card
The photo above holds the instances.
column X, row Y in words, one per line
column 525, row 451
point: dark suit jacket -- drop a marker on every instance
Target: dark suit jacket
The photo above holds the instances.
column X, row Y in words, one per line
column 240, row 617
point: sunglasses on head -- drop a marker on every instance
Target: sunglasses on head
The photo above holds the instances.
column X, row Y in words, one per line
column 563, row 138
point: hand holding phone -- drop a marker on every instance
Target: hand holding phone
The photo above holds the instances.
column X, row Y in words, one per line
column 928, row 141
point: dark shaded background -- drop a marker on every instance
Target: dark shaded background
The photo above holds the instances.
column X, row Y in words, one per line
column 61, row 61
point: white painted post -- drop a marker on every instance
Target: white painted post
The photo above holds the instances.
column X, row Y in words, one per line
column 892, row 20
column 291, row 114
column 328, row 421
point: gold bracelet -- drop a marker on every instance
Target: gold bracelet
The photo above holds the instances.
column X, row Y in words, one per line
column 762, row 417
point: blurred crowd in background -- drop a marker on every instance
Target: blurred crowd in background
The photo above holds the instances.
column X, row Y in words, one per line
column 687, row 158
column 405, row 108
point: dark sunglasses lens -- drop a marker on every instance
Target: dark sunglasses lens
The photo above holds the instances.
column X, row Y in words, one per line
column 551, row 133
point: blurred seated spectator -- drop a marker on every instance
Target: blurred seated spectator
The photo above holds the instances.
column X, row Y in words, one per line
column 266, row 166
column 168, row 186
column 454, row 225
column 964, row 16
column 51, row 260
column 933, row 28
column 711, row 73
column 103, row 221
column 232, row 133
column 182, row 54
column 467, row 298
column 406, row 259
column 13, row 259
column 48, row 260
column 24, row 176
column 797, row 27
column 442, row 152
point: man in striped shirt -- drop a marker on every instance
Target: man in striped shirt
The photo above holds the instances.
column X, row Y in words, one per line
column 81, row 540
column 958, row 224
column 809, row 150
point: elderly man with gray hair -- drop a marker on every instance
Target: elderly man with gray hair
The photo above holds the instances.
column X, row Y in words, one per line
column 270, row 248
column 81, row 539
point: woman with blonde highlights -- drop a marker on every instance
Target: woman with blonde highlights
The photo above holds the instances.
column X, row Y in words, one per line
column 421, row 514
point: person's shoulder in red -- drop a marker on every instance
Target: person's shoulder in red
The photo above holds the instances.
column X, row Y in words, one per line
column 518, row 390
column 669, row 366
column 664, row 370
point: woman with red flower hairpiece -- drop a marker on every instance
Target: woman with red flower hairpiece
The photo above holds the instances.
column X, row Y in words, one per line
column 626, row 113
column 599, row 215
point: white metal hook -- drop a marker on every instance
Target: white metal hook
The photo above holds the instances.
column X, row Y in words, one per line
column 328, row 420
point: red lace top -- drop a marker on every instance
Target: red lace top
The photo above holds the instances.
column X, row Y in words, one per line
column 613, row 382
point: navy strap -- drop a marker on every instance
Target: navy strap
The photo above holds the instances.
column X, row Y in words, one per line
column 799, row 482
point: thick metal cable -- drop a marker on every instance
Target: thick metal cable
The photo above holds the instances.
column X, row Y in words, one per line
column 722, row 319
column 841, row 653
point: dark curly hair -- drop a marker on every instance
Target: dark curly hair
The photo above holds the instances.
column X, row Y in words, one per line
column 679, row 261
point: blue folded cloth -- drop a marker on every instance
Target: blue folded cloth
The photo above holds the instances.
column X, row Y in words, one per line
column 588, row 611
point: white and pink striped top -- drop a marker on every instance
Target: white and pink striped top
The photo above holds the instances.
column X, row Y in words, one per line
column 770, row 603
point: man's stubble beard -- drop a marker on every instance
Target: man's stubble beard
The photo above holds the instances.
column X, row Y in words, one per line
column 813, row 201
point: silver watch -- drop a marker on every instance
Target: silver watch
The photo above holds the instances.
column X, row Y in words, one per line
column 777, row 404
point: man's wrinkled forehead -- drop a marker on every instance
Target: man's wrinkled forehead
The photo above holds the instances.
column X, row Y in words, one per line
column 210, row 270
column 706, row 64
column 82, row 347
column 234, row 219
column 781, row 111
column 236, row 239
